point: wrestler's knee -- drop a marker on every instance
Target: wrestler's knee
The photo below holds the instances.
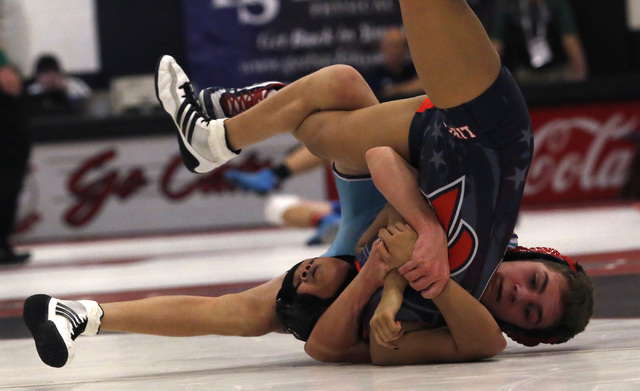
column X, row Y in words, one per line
column 317, row 143
column 342, row 74
column 344, row 85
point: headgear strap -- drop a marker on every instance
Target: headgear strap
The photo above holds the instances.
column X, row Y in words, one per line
column 548, row 253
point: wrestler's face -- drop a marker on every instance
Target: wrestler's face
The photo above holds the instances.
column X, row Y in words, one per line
column 526, row 294
column 320, row 277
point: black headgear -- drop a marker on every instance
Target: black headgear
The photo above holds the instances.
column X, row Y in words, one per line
column 299, row 313
column 535, row 337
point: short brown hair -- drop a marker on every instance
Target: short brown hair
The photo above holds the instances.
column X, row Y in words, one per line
column 577, row 302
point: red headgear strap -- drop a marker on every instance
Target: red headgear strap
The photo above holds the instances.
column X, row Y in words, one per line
column 573, row 265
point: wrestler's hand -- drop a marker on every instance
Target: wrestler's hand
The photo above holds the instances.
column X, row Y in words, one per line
column 384, row 328
column 399, row 240
column 375, row 269
column 428, row 269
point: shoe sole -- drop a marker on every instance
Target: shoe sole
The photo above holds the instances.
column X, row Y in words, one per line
column 49, row 343
column 190, row 157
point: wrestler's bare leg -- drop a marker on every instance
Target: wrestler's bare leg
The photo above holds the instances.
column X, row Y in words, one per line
column 248, row 313
column 453, row 55
column 333, row 112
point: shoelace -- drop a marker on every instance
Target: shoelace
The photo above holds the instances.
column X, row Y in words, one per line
column 238, row 100
column 190, row 98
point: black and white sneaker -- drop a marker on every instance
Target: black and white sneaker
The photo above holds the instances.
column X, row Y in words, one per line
column 55, row 324
column 201, row 140
column 218, row 102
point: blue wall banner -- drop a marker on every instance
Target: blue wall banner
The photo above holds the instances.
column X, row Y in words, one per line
column 234, row 43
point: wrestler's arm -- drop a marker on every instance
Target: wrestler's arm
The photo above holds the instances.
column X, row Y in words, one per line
column 472, row 334
column 335, row 337
column 428, row 270
column 399, row 240
column 383, row 326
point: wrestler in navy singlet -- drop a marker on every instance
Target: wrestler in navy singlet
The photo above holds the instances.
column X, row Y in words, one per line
column 473, row 161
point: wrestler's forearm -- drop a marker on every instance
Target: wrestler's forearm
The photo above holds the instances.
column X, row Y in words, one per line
column 335, row 337
column 473, row 329
column 472, row 334
column 394, row 285
column 397, row 181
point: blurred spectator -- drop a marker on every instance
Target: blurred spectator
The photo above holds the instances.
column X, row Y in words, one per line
column 14, row 155
column 396, row 77
column 538, row 40
column 291, row 210
column 299, row 161
column 52, row 91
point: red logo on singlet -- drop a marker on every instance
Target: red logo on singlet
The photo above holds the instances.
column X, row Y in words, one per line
column 463, row 132
column 462, row 239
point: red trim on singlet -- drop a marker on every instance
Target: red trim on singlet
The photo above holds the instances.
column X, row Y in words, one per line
column 425, row 105
column 332, row 191
column 358, row 266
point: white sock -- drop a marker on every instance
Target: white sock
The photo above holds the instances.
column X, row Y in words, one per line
column 211, row 143
column 276, row 206
column 94, row 315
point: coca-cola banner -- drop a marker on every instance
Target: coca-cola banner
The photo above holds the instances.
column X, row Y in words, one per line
column 123, row 186
column 120, row 186
column 233, row 43
column 582, row 152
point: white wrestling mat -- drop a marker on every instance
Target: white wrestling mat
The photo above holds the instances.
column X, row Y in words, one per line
column 605, row 357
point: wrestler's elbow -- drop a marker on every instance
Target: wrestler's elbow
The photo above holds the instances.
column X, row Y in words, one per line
column 321, row 353
column 378, row 153
column 487, row 349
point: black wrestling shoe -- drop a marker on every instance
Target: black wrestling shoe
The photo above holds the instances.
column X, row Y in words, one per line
column 201, row 140
column 55, row 324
